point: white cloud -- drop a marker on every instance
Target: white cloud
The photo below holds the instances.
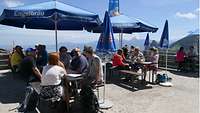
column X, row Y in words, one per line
column 197, row 10
column 163, row 3
column 186, row 15
column 13, row 3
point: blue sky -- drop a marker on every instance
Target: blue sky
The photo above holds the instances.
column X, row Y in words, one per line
column 183, row 16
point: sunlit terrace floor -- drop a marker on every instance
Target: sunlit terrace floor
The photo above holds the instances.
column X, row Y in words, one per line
column 183, row 97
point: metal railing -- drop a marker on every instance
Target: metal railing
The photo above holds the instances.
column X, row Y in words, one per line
column 171, row 60
column 4, row 61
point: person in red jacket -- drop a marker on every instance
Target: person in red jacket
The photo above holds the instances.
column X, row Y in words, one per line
column 180, row 57
column 117, row 60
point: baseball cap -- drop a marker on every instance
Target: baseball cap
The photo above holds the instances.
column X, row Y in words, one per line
column 30, row 49
column 18, row 47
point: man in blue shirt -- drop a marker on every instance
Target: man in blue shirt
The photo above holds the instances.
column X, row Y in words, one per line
column 42, row 57
column 79, row 63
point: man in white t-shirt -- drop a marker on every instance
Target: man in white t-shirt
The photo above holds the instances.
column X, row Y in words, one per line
column 94, row 73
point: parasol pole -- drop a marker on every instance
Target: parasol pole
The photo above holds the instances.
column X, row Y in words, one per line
column 56, row 36
column 56, row 29
column 121, row 38
column 107, row 29
column 13, row 44
column 166, row 61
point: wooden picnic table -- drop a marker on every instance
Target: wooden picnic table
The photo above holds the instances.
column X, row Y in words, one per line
column 75, row 78
column 147, row 67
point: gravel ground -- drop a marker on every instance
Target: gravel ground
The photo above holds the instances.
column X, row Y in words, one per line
column 183, row 97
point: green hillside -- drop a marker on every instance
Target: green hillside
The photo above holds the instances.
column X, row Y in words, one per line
column 186, row 42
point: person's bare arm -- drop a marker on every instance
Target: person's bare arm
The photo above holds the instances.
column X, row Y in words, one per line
column 61, row 64
column 98, row 76
column 125, row 64
column 37, row 72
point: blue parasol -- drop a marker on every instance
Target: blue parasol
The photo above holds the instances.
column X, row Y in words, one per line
column 125, row 24
column 164, row 41
column 51, row 15
column 146, row 43
column 106, row 41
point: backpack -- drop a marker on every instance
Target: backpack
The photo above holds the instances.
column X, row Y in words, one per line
column 31, row 100
column 49, row 106
column 162, row 78
column 88, row 99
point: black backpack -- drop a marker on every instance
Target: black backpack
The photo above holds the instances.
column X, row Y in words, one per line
column 89, row 101
column 31, row 100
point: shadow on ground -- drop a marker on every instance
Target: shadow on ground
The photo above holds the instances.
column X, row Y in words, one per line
column 11, row 88
column 133, row 87
column 186, row 74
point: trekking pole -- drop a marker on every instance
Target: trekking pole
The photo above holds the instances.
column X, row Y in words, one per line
column 166, row 61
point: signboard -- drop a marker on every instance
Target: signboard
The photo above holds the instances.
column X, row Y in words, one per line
column 28, row 13
column 113, row 7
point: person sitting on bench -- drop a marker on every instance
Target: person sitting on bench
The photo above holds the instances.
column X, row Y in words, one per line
column 117, row 61
column 79, row 63
column 94, row 74
column 16, row 58
column 51, row 82
column 154, row 58
column 28, row 66
column 136, row 58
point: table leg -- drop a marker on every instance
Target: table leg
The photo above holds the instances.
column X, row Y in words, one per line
column 144, row 76
column 75, row 90
column 132, row 80
column 149, row 76
column 152, row 76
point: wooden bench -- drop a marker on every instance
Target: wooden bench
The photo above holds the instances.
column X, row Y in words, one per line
column 130, row 72
column 134, row 75
column 112, row 71
column 113, row 67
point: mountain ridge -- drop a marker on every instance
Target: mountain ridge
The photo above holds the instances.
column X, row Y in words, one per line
column 186, row 42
